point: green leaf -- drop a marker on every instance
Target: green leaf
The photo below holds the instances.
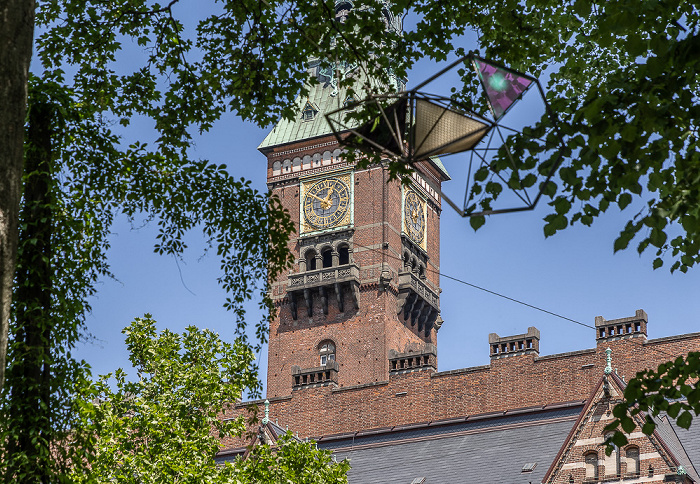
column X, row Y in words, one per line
column 624, row 200
column 684, row 420
column 477, row 222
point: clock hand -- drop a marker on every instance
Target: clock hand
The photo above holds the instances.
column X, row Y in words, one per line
column 328, row 195
column 317, row 198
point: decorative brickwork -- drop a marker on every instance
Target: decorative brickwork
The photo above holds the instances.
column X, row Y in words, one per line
column 633, row 327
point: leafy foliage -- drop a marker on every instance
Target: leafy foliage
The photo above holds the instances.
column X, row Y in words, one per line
column 621, row 80
column 671, row 389
column 165, row 425
column 290, row 460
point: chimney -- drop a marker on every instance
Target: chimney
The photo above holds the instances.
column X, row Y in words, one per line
column 520, row 344
column 615, row 329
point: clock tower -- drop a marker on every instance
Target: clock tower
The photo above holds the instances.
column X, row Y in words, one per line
column 362, row 300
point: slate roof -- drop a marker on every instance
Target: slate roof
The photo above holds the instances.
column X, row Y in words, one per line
column 491, row 449
column 481, row 448
column 685, row 444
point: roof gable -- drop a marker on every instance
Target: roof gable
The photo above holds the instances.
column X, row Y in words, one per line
column 582, row 456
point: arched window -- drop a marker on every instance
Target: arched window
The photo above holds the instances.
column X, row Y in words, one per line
column 343, row 255
column 311, row 260
column 632, row 459
column 326, row 351
column 591, row 461
column 327, row 255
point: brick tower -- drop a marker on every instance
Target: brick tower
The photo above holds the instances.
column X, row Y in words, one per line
column 363, row 298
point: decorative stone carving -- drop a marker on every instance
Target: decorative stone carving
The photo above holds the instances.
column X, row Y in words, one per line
column 417, row 302
column 321, row 282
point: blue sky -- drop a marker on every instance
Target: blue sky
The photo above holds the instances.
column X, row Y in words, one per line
column 574, row 273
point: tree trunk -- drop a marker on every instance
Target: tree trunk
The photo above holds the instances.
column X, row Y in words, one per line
column 29, row 374
column 16, row 37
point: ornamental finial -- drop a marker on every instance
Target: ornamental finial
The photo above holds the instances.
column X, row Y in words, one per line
column 266, row 419
column 608, row 361
column 681, row 471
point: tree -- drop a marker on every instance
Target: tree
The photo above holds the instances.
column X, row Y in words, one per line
column 671, row 389
column 290, row 460
column 165, row 426
column 16, row 36
column 89, row 174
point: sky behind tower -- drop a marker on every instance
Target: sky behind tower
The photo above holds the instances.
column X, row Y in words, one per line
column 574, row 273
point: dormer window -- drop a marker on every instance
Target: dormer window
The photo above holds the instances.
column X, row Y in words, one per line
column 309, row 112
column 326, row 351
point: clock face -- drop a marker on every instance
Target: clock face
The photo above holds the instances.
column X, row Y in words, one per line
column 414, row 217
column 326, row 203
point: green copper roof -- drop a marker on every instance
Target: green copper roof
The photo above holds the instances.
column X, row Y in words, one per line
column 310, row 119
column 300, row 128
column 437, row 162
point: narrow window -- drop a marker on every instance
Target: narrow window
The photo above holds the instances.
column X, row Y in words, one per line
column 327, row 258
column 591, row 460
column 343, row 256
column 326, row 352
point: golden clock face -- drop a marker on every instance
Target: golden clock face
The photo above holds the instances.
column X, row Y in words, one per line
column 326, row 202
column 414, row 217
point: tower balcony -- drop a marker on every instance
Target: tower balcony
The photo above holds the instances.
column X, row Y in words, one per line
column 314, row 377
column 322, row 282
column 418, row 302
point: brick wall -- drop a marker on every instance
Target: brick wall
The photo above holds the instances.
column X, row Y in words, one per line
column 507, row 383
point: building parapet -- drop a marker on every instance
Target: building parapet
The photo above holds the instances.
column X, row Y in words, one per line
column 424, row 359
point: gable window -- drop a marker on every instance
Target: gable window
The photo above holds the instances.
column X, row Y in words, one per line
column 326, row 351
column 612, row 461
column 309, row 112
column 591, row 461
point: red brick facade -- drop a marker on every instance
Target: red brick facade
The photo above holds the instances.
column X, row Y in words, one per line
column 507, row 383
column 385, row 371
column 370, row 326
